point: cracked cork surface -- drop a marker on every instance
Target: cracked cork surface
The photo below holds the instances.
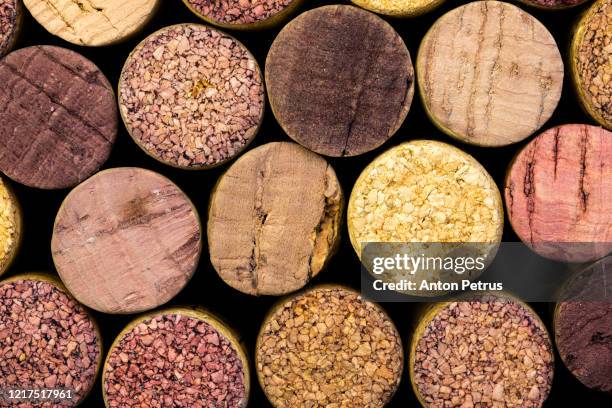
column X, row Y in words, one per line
column 126, row 240
column 399, row 8
column 10, row 226
column 274, row 219
column 558, row 193
column 11, row 15
column 340, row 80
column 489, row 73
column 58, row 117
column 92, row 22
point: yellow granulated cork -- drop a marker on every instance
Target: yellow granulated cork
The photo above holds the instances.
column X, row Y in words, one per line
column 399, row 8
column 9, row 226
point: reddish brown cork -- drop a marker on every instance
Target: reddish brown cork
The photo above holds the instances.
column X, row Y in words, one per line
column 11, row 16
column 558, row 193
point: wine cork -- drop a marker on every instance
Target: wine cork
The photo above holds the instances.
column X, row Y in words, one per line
column 11, row 20
column 176, row 357
column 191, row 96
column 49, row 341
column 126, row 240
column 490, row 351
column 327, row 346
column 10, row 226
column 244, row 14
column 553, row 4
column 583, row 326
column 93, row 23
column 58, row 117
column 489, row 73
column 591, row 62
column 274, row 219
column 558, row 193
column 347, row 89
column 399, row 8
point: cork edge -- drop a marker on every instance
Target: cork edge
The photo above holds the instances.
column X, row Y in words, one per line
column 405, row 12
column 10, row 257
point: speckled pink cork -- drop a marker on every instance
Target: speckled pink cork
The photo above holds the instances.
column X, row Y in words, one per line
column 558, row 193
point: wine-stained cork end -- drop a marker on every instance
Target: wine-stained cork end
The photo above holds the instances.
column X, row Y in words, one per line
column 11, row 19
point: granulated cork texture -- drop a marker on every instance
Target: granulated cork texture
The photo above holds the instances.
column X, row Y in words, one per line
column 329, row 348
column 172, row 360
column 594, row 61
column 48, row 341
column 554, row 3
column 274, row 219
column 9, row 224
column 191, row 96
column 489, row 73
column 10, row 16
column 487, row 353
column 239, row 11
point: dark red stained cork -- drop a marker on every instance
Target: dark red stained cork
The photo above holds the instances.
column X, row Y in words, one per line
column 340, row 80
column 58, row 117
column 558, row 193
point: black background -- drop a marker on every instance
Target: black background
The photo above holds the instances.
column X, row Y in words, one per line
column 245, row 312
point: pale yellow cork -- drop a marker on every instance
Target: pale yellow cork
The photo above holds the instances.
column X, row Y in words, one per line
column 399, row 8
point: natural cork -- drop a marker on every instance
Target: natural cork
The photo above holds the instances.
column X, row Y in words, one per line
column 399, row 8
column 340, row 80
column 553, row 4
column 328, row 347
column 11, row 20
column 92, row 23
column 10, row 226
column 489, row 73
column 274, row 219
column 126, row 240
column 557, row 193
column 591, row 62
column 58, row 117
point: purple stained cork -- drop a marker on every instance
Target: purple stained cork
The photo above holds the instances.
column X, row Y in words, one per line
column 11, row 15
column 238, row 11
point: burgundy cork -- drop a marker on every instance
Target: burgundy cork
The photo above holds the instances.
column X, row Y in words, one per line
column 58, row 117
column 558, row 193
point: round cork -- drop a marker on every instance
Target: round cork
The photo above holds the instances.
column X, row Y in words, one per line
column 244, row 14
column 58, row 117
column 553, row 4
column 326, row 346
column 399, row 8
column 591, row 64
column 93, row 23
column 274, row 219
column 489, row 74
column 461, row 355
column 126, row 240
column 583, row 326
column 10, row 226
column 185, row 356
column 11, row 21
column 191, row 96
column 49, row 341
column 557, row 193
column 347, row 89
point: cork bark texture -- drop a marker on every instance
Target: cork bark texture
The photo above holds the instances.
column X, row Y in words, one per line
column 274, row 219
column 126, row 240
column 58, row 117
column 340, row 80
column 399, row 8
column 558, row 193
column 10, row 226
column 489, row 73
column 11, row 17
column 92, row 22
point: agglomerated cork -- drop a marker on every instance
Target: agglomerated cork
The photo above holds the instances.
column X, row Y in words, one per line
column 591, row 62
column 92, row 22
column 399, row 8
column 553, row 4
column 274, row 219
column 126, row 240
column 328, row 347
column 11, row 20
column 489, row 74
column 558, row 193
column 492, row 351
column 10, row 226
column 340, row 80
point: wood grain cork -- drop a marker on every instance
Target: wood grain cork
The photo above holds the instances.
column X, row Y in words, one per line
column 340, row 80
column 489, row 73
column 58, row 117
column 558, row 193
column 126, row 240
column 274, row 219
column 92, row 22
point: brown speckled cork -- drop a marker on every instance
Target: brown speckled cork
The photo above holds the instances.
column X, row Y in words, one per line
column 93, row 22
column 489, row 74
column 58, row 117
column 274, row 219
column 558, row 193
column 11, row 20
column 126, row 240
column 340, row 80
